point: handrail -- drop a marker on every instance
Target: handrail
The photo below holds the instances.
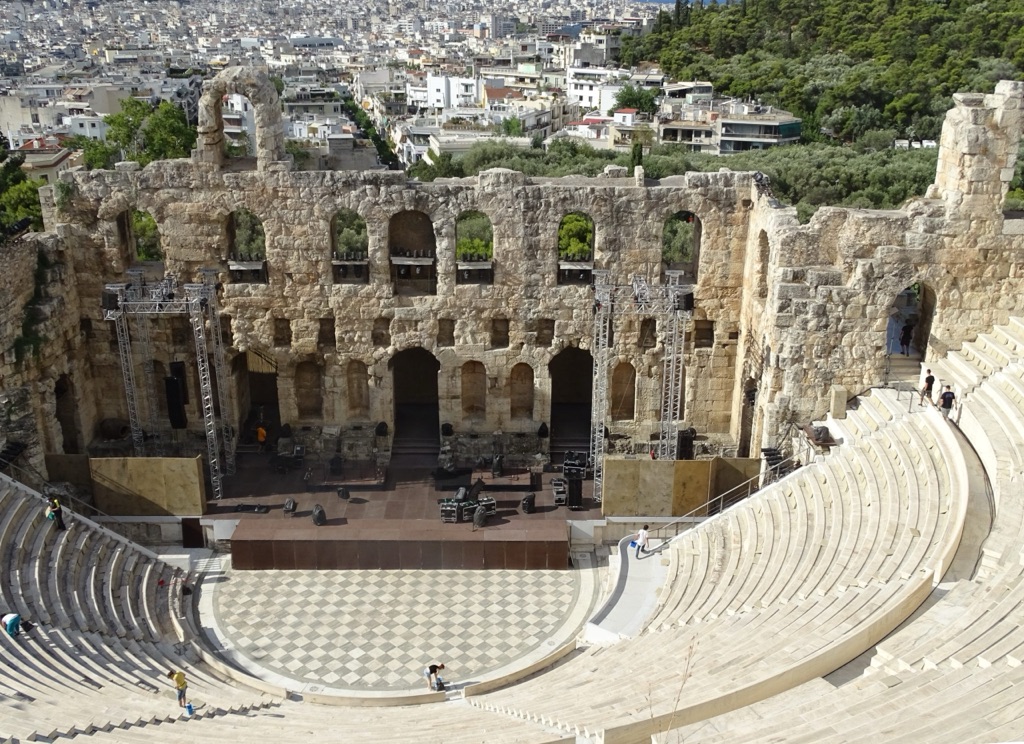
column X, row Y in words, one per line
column 721, row 497
column 85, row 520
column 42, row 486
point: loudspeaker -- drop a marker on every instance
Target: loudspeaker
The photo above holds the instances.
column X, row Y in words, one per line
column 177, row 370
column 529, row 503
column 574, row 499
column 175, row 404
column 688, row 302
column 535, row 480
column 684, row 444
column 108, row 300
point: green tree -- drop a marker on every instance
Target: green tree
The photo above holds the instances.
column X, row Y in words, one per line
column 474, row 236
column 576, row 237
column 147, row 236
column 249, row 242
column 677, row 240
column 143, row 134
column 96, row 154
column 278, row 84
column 19, row 196
column 350, row 234
column 636, row 97
column 636, row 156
column 512, row 127
column 22, row 200
column 300, row 155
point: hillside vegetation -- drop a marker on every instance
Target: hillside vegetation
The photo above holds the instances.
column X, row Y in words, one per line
column 849, row 66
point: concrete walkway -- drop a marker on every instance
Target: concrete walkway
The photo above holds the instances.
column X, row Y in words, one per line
column 633, row 598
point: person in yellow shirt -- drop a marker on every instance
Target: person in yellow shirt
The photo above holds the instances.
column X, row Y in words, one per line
column 180, row 685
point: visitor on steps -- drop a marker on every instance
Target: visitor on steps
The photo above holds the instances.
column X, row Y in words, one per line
column 946, row 401
column 55, row 513
column 926, row 391
column 180, row 686
column 906, row 336
column 641, row 539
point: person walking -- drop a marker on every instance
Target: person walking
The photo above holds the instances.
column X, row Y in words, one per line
column 641, row 539
column 946, row 401
column 55, row 513
column 180, row 686
column 261, row 437
column 906, row 336
column 926, row 391
column 430, row 673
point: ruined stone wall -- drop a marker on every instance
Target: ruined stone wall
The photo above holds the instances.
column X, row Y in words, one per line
column 783, row 311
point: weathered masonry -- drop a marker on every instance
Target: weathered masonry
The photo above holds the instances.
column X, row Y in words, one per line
column 325, row 328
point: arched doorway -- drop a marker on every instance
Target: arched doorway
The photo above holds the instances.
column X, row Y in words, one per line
column 572, row 376
column 907, row 331
column 64, row 393
column 260, row 389
column 414, row 382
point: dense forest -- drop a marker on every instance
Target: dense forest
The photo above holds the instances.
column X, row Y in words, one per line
column 845, row 66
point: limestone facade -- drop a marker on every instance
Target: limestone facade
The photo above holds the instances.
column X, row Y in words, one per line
column 783, row 311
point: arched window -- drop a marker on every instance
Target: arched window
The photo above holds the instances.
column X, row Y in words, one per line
column 246, row 239
column 474, row 389
column 680, row 244
column 474, row 248
column 623, row 394
column 309, row 396
column 575, row 248
column 349, row 238
column 147, row 237
column 358, row 379
column 412, row 247
column 521, row 392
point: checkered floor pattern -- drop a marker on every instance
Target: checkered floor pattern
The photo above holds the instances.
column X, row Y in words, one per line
column 376, row 630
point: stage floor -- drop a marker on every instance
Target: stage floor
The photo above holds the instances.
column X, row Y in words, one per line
column 391, row 525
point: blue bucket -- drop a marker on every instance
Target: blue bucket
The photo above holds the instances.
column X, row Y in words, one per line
column 189, row 709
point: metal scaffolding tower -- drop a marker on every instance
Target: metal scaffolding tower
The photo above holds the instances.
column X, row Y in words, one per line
column 664, row 303
column 198, row 302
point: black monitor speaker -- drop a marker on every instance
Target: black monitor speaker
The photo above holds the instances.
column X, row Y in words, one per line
column 108, row 300
column 175, row 403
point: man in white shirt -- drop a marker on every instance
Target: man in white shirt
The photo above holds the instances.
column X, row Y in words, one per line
column 641, row 540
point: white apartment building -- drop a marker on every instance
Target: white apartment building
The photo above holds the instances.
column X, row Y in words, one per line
column 594, row 87
column 92, row 127
column 452, row 92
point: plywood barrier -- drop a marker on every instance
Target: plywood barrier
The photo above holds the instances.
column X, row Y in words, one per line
column 148, row 486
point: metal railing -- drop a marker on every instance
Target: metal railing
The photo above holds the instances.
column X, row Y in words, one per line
column 718, row 504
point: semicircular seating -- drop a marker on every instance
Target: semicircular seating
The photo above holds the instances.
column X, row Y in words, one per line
column 953, row 673
column 792, row 581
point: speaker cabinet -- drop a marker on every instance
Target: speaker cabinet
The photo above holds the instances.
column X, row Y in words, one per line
column 175, row 403
column 177, row 370
column 688, row 302
column 574, row 499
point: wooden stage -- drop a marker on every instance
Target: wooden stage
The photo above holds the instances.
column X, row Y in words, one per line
column 391, row 525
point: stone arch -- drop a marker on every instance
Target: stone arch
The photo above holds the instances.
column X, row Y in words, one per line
column 145, row 236
column 623, row 392
column 357, row 376
column 680, row 243
column 412, row 246
column 474, row 236
column 909, row 324
column 309, row 395
column 521, row 391
column 349, row 237
column 474, row 390
column 411, row 235
column 254, row 84
column 247, row 240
